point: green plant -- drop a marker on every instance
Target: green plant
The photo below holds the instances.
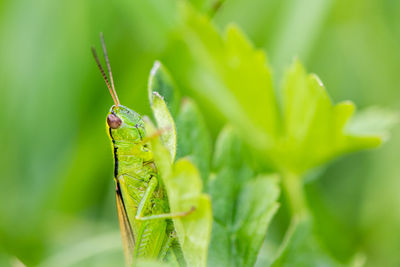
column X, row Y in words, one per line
column 271, row 141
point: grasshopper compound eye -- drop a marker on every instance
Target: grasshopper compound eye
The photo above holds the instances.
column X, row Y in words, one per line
column 113, row 121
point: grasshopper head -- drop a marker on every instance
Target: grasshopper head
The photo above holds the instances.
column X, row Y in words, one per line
column 125, row 124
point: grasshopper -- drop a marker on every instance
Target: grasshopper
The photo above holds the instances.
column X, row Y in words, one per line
column 143, row 210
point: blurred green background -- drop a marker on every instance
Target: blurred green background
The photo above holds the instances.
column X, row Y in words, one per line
column 56, row 190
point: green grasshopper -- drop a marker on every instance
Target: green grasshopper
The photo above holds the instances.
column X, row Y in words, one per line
column 143, row 211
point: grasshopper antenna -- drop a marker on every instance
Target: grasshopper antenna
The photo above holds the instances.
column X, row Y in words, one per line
column 103, row 44
column 103, row 74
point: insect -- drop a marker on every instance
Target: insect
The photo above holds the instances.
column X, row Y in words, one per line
column 143, row 211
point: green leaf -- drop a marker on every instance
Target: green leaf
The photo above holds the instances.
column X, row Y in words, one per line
column 373, row 121
column 301, row 248
column 160, row 85
column 243, row 205
column 230, row 171
column 160, row 81
column 257, row 207
column 194, row 140
column 234, row 79
column 228, row 73
column 314, row 129
column 184, row 188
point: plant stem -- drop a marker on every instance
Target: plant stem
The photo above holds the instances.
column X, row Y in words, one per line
column 293, row 186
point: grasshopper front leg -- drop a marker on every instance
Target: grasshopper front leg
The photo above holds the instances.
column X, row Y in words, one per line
column 146, row 199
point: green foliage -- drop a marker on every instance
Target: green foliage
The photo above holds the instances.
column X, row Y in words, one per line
column 194, row 139
column 313, row 129
column 243, row 201
column 181, row 179
column 243, row 204
column 225, row 68
column 300, row 248
column 193, row 230
column 303, row 132
column 184, row 186
column 159, row 83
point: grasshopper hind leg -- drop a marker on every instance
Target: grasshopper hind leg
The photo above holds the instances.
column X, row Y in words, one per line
column 171, row 251
column 146, row 200
column 167, row 245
